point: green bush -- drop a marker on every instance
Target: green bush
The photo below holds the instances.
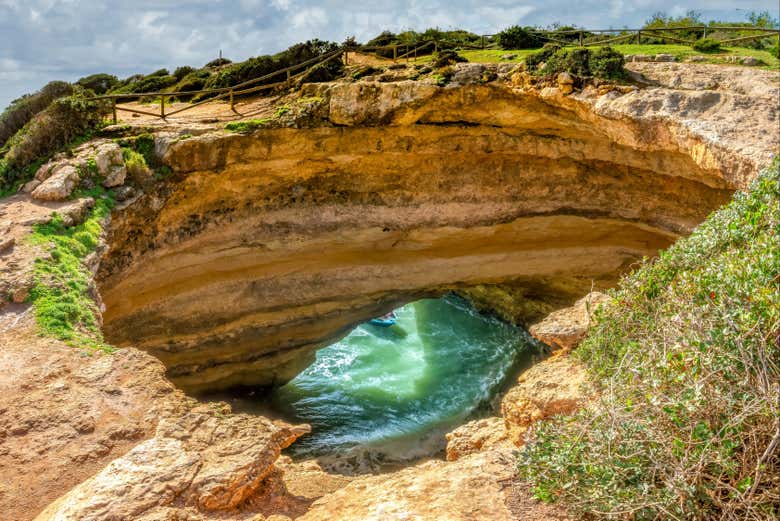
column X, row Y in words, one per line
column 574, row 61
column 59, row 124
column 579, row 61
column 706, row 45
column 195, row 80
column 259, row 66
column 137, row 168
column 22, row 110
column 607, row 63
column 532, row 61
column 155, row 82
column 517, row 37
column 99, row 83
column 219, row 62
column 447, row 57
column 688, row 362
column 183, row 71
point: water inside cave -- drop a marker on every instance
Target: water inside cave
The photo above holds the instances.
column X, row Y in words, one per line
column 391, row 393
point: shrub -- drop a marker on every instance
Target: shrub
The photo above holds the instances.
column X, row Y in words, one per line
column 159, row 72
column 603, row 63
column 22, row 110
column 181, row 72
column 574, row 61
column 137, row 168
column 517, row 37
column 193, row 81
column 262, row 65
column 688, row 360
column 154, row 82
column 59, row 124
column 219, row 62
column 447, row 57
column 532, row 61
column 706, row 45
column 99, row 83
column 607, row 63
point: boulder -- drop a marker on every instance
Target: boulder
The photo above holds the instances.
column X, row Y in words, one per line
column 29, row 186
column 46, row 170
column 664, row 58
column 476, row 436
column 110, row 164
column 59, row 185
column 565, row 82
column 106, row 156
column 115, row 176
column 565, row 328
column 203, row 460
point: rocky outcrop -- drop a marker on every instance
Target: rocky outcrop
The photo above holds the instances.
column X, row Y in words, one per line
column 476, row 436
column 475, row 487
column 263, row 247
column 197, row 462
column 56, row 180
column 565, row 328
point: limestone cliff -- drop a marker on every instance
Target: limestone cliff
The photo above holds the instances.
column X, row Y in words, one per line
column 262, row 247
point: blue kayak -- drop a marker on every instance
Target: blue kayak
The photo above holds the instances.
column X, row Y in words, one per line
column 386, row 320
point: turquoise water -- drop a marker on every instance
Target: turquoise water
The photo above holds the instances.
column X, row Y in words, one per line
column 392, row 392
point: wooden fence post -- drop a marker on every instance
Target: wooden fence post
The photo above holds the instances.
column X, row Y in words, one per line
column 638, row 37
column 483, row 42
column 580, row 38
column 162, row 107
column 113, row 108
column 346, row 57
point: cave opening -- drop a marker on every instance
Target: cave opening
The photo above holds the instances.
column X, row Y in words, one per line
column 387, row 394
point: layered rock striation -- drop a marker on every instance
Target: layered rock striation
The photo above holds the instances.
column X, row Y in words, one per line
column 263, row 247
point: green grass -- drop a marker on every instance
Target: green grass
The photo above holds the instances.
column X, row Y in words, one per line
column 62, row 288
column 679, row 51
column 246, row 126
column 688, row 363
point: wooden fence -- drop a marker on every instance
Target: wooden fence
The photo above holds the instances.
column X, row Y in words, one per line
column 297, row 73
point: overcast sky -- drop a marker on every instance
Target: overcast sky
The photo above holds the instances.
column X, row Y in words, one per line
column 43, row 40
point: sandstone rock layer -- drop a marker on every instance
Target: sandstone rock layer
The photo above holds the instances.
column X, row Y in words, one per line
column 263, row 247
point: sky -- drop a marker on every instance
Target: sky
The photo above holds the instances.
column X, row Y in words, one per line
column 44, row 40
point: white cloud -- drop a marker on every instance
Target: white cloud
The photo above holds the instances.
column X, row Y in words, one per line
column 44, row 40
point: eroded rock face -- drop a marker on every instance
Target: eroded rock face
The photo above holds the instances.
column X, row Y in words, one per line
column 471, row 488
column 558, row 385
column 196, row 461
column 264, row 247
column 565, row 328
column 476, row 436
